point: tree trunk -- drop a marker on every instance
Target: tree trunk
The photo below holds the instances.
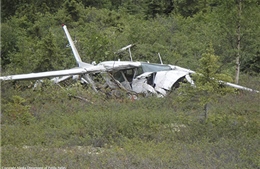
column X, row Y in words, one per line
column 238, row 42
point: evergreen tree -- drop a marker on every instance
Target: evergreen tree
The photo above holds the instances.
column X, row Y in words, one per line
column 71, row 7
column 48, row 54
column 207, row 86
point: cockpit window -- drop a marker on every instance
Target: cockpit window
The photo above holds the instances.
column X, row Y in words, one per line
column 139, row 71
column 148, row 67
column 118, row 76
column 129, row 74
column 124, row 75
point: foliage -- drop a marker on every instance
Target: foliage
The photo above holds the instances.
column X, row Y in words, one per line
column 208, row 85
column 178, row 30
column 16, row 111
column 226, row 18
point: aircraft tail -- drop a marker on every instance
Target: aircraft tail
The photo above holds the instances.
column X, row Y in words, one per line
column 74, row 49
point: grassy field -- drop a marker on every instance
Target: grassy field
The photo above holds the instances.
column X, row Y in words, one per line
column 47, row 128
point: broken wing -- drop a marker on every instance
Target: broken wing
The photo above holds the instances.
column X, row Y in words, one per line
column 74, row 71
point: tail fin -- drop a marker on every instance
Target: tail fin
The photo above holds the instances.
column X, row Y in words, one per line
column 74, row 49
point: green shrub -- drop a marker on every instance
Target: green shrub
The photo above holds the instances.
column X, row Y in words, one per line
column 16, row 111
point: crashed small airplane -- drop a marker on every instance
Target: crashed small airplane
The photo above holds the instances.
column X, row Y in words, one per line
column 132, row 76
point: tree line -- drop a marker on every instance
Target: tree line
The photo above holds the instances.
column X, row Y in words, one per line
column 185, row 8
column 180, row 30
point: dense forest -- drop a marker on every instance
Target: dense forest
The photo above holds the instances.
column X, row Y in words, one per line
column 180, row 30
column 49, row 127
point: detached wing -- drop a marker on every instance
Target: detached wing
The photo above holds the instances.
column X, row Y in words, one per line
column 75, row 71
